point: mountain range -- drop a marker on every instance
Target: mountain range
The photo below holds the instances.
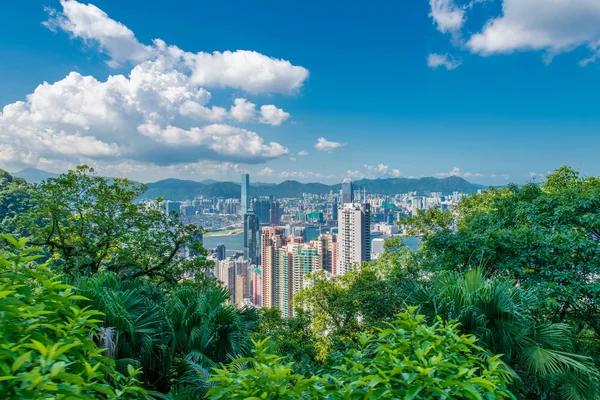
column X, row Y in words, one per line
column 178, row 189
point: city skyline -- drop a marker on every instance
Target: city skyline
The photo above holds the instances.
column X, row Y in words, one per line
column 430, row 88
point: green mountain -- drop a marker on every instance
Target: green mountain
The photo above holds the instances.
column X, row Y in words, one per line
column 33, row 175
column 176, row 189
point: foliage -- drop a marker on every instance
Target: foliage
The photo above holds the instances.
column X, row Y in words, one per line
column 545, row 237
column 406, row 360
column 15, row 199
column 292, row 337
column 46, row 341
column 134, row 328
column 342, row 308
column 174, row 338
column 89, row 224
column 500, row 314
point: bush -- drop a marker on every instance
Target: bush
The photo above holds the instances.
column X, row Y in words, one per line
column 407, row 360
column 46, row 341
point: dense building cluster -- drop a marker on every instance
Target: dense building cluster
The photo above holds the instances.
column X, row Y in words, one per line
column 286, row 239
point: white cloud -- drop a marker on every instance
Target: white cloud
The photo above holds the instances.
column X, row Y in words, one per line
column 554, row 26
column 247, row 70
column 225, row 140
column 442, row 60
column 157, row 114
column 381, row 170
column 446, row 15
column 266, row 171
column 303, row 153
column 272, row 115
column 243, row 110
column 242, row 69
column 93, row 26
column 456, row 172
column 472, row 175
column 354, row 174
column 326, row 145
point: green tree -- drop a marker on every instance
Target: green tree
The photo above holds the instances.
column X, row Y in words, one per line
column 543, row 236
column 15, row 199
column 46, row 341
column 500, row 314
column 88, row 224
column 293, row 338
column 365, row 297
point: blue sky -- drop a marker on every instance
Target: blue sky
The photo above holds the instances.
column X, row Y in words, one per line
column 493, row 91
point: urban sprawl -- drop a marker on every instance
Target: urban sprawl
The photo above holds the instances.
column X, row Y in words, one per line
column 284, row 240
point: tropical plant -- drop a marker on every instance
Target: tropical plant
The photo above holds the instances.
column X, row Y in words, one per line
column 135, row 328
column 406, row 360
column 500, row 314
column 46, row 341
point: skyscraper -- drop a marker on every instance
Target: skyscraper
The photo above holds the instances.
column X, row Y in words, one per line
column 275, row 213
column 221, row 252
column 347, row 192
column 251, row 237
column 354, row 236
column 327, row 246
column 245, row 194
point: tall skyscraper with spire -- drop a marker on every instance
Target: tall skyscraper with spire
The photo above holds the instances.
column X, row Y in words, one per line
column 245, row 194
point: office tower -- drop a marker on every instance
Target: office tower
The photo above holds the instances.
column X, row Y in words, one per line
column 327, row 246
column 275, row 213
column 220, row 252
column 262, row 209
column 245, row 198
column 251, row 237
column 347, row 192
column 354, row 236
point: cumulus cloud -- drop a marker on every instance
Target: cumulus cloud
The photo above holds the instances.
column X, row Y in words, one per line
column 354, row 174
column 446, row 15
column 159, row 113
column 553, row 26
column 269, row 114
column 242, row 69
column 266, row 171
column 121, row 118
column 326, row 145
column 243, row 110
column 303, row 153
column 382, row 170
column 456, row 172
column 93, row 26
column 442, row 60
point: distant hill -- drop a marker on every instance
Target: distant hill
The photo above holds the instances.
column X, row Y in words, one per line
column 33, row 175
column 176, row 189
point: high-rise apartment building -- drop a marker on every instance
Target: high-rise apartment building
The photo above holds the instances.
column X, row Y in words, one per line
column 245, row 197
column 272, row 239
column 354, row 236
column 327, row 246
column 347, row 192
